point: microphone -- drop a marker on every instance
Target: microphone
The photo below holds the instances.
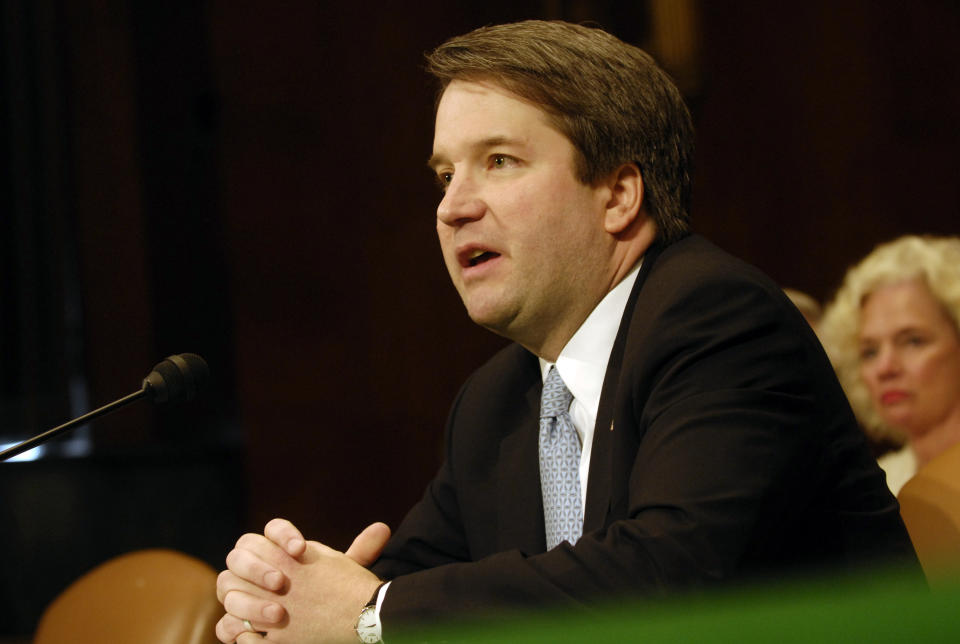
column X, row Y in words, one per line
column 178, row 378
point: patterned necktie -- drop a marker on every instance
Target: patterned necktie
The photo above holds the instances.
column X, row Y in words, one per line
column 559, row 463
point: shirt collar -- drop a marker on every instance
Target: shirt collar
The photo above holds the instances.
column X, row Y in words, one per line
column 583, row 361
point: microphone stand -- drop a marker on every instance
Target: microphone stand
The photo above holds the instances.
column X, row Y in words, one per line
column 30, row 443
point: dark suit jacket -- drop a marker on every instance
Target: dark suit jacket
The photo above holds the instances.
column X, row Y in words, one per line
column 724, row 450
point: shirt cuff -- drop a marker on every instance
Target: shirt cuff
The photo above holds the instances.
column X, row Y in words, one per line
column 380, row 595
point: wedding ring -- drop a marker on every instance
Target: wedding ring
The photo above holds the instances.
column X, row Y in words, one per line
column 247, row 625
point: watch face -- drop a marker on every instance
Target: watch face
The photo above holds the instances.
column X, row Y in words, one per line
column 368, row 629
column 368, row 637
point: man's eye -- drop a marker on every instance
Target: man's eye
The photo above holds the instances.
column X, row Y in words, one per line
column 501, row 161
column 444, row 179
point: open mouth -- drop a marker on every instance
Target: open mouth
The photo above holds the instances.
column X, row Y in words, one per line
column 478, row 257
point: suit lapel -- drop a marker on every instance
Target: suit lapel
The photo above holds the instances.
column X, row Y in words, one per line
column 604, row 432
column 519, row 501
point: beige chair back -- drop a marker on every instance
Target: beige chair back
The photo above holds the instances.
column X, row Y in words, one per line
column 155, row 596
column 930, row 506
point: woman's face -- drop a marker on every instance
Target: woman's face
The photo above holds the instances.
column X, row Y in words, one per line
column 910, row 357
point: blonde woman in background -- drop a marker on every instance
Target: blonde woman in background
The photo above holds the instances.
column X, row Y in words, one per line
column 893, row 335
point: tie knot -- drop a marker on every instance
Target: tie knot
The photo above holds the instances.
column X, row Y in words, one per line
column 556, row 398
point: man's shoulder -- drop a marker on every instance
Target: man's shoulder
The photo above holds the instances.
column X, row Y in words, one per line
column 701, row 302
column 696, row 259
column 699, row 276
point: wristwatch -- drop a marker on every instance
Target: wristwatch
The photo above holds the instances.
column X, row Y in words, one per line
column 368, row 624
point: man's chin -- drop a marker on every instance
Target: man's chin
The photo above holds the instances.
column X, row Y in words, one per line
column 491, row 318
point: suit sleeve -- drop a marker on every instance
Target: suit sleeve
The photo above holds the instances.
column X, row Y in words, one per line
column 432, row 533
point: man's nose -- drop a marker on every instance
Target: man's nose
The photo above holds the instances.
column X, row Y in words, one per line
column 461, row 203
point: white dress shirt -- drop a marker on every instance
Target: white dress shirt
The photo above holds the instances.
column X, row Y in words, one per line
column 582, row 364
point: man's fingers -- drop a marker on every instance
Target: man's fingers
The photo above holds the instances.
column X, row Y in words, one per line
column 231, row 629
column 254, row 566
column 250, row 638
column 258, row 610
column 369, row 544
column 243, row 600
column 285, row 534
column 228, row 582
column 225, row 581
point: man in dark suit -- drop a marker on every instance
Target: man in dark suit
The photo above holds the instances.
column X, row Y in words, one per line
column 702, row 437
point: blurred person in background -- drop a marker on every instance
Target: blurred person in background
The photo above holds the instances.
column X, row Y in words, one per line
column 892, row 332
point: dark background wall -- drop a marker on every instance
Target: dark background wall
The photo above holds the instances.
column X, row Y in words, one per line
column 247, row 181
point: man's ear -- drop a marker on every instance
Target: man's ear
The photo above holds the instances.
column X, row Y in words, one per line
column 626, row 197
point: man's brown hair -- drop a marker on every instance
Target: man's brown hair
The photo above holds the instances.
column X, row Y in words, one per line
column 609, row 98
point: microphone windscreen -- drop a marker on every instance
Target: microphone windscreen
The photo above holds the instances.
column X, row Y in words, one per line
column 178, row 378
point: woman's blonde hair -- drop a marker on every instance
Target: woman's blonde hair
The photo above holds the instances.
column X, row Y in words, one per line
column 935, row 261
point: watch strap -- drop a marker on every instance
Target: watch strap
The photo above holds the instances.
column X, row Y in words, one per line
column 376, row 595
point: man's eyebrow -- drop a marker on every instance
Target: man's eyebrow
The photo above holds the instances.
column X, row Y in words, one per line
column 436, row 160
column 483, row 144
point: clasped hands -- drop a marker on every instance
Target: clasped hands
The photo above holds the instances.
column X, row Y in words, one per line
column 296, row 591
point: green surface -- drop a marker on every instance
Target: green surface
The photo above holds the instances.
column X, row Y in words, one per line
column 878, row 608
